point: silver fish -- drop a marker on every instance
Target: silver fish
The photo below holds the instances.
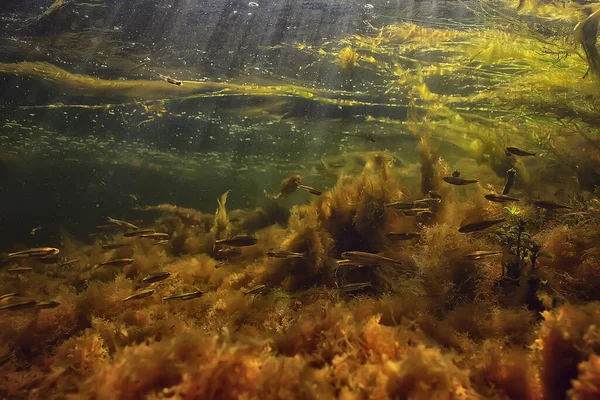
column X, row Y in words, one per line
column 139, row 232
column 7, row 296
column 158, row 236
column 123, row 224
column 256, row 289
column 140, row 295
column 118, row 262
column 228, row 253
column 347, row 263
column 364, row 258
column 20, row 269
column 156, row 277
column 22, row 305
column 46, row 304
column 36, row 252
column 310, row 190
column 426, row 203
column 476, row 255
column 416, row 212
column 185, row 296
column 480, row 225
column 284, row 254
column 353, row 287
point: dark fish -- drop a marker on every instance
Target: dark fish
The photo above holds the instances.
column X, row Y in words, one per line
column 22, row 305
column 434, row 194
column 550, row 205
column 353, row 287
column 185, row 296
column 46, row 304
column 476, row 255
column 69, row 262
column 517, row 152
column 20, row 269
column 158, row 236
column 228, row 252
column 256, row 289
column 500, row 198
column 238, row 241
column 123, row 224
column 138, row 232
column 5, row 358
column 454, row 180
column 37, row 252
column 113, row 246
column 140, row 295
column 284, row 254
column 310, row 190
column 8, row 296
column 402, row 235
column 364, row 258
column 479, row 226
column 118, row 262
column 510, row 180
column 156, row 277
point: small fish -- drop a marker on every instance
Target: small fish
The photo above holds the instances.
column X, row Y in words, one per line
column 112, row 246
column 455, row 180
column 228, row 252
column 156, row 277
column 69, row 263
column 238, row 241
column 550, row 205
column 108, row 227
column 8, row 296
column 170, row 80
column 434, row 194
column 517, row 152
column 139, row 233
column 426, row 203
column 5, row 358
column 364, row 258
column 510, row 180
column 310, row 190
column 140, row 295
column 402, row 235
column 476, row 255
column 500, row 198
column 22, row 305
column 133, row 197
column 158, row 236
column 401, row 205
column 185, row 296
column 20, row 269
column 479, row 226
column 34, row 230
column 416, row 212
column 36, row 252
column 256, row 289
column 284, row 254
column 347, row 263
column 118, row 262
column 123, row 224
column 353, row 287
column 46, row 304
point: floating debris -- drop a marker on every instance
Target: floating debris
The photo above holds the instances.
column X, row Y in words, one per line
column 480, row 226
column 476, row 255
column 550, row 205
column 500, row 198
column 238, row 241
column 514, row 151
column 185, row 296
column 22, row 305
column 35, row 253
column 123, row 224
column 35, row 230
column 140, row 295
column 284, row 254
column 402, row 235
column 364, row 258
column 156, row 277
column 46, row 304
